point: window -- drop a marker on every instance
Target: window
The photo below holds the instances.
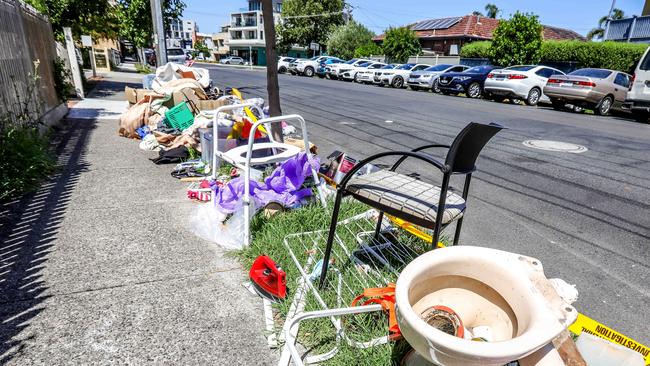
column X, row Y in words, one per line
column 622, row 80
column 251, row 34
column 458, row 69
column 187, row 35
column 440, row 67
column 594, row 73
column 546, row 72
column 421, row 67
column 520, row 68
column 645, row 64
column 261, row 34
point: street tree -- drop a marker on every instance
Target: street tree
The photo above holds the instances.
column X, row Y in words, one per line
column 306, row 21
column 368, row 49
column 94, row 17
column 599, row 32
column 272, row 84
column 517, row 41
column 200, row 47
column 345, row 39
column 491, row 10
column 399, row 44
column 136, row 24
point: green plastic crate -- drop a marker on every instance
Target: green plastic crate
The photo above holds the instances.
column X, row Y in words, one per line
column 180, row 116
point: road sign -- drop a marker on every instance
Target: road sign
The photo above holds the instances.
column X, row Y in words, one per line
column 86, row 41
column 314, row 46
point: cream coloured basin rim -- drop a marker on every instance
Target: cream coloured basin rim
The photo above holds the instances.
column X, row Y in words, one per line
column 485, row 287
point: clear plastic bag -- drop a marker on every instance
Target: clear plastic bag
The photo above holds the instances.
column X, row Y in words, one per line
column 225, row 230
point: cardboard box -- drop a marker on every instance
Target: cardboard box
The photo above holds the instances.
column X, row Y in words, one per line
column 134, row 95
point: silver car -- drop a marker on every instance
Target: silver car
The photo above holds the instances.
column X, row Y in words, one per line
column 427, row 79
column 176, row 55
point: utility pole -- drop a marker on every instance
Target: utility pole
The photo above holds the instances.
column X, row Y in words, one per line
column 159, row 32
column 272, row 85
column 609, row 19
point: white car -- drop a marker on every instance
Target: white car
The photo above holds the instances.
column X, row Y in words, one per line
column 525, row 82
column 427, row 79
column 397, row 77
column 637, row 100
column 306, row 67
column 176, row 55
column 367, row 76
column 368, row 67
column 283, row 64
column 232, row 60
column 336, row 70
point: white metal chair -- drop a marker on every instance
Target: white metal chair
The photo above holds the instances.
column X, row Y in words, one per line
column 242, row 156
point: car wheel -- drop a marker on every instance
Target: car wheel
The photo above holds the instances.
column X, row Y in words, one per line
column 398, row 82
column 533, row 96
column 557, row 104
column 227, row 62
column 309, row 71
column 282, row 70
column 641, row 117
column 436, row 86
column 356, row 78
column 602, row 109
column 473, row 90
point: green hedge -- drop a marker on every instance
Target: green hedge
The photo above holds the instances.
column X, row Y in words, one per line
column 607, row 55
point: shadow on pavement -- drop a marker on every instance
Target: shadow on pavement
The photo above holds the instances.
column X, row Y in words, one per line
column 28, row 227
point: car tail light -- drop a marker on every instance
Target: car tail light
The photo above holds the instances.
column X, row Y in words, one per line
column 517, row 77
column 490, row 75
column 585, row 83
column 553, row 81
column 632, row 81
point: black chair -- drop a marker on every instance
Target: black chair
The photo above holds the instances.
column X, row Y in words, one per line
column 411, row 199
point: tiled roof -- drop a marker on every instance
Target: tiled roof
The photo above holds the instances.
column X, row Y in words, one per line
column 478, row 27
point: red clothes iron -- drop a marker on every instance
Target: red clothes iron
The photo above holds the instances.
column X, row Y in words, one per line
column 269, row 279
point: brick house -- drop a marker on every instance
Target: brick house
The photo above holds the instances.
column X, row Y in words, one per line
column 446, row 36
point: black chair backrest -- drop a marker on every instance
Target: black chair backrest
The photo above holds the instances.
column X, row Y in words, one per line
column 468, row 145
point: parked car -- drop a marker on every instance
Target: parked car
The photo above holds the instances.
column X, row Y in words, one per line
column 232, row 60
column 637, row 100
column 470, row 81
column 367, row 76
column 428, row 78
column 525, row 82
column 176, row 55
column 352, row 74
column 306, row 67
column 336, row 70
column 397, row 77
column 283, row 64
column 322, row 67
column 596, row 89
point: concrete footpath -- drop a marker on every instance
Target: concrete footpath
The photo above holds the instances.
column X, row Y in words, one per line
column 99, row 265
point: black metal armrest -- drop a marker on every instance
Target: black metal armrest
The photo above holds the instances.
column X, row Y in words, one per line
column 417, row 149
column 404, row 154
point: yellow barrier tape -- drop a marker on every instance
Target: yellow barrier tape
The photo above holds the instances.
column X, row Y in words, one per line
column 247, row 110
column 588, row 325
column 413, row 229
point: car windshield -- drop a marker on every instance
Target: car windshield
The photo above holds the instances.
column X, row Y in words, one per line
column 365, row 64
column 592, row 73
column 388, row 67
column 314, row 58
column 437, row 67
column 352, row 61
column 519, row 68
column 175, row 52
column 376, row 66
column 406, row 67
column 478, row 70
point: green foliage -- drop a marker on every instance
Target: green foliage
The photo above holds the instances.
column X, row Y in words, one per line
column 345, row 39
column 135, row 19
column 299, row 27
column 517, row 41
column 599, row 32
column 24, row 160
column 479, row 49
column 399, row 44
column 62, row 77
column 607, row 55
column 96, row 17
column 200, row 46
column 491, row 11
column 143, row 68
column 368, row 49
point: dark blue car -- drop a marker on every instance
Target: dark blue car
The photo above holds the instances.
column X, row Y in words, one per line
column 321, row 72
column 469, row 81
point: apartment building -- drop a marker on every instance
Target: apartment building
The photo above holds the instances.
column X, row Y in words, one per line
column 181, row 33
column 246, row 32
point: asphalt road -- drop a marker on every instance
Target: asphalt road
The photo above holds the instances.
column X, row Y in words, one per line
column 585, row 216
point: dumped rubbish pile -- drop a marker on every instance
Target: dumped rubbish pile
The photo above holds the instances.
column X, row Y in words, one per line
column 377, row 278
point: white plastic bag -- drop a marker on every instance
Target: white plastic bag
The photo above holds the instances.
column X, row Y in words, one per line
column 210, row 224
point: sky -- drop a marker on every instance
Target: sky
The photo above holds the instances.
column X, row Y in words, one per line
column 578, row 15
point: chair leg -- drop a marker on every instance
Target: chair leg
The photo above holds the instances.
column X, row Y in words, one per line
column 330, row 237
column 459, row 224
column 378, row 228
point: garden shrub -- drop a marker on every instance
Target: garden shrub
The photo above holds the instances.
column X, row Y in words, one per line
column 479, row 49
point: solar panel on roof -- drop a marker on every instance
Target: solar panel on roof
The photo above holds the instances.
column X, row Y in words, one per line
column 430, row 24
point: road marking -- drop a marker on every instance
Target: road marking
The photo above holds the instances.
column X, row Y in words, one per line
column 389, row 121
column 557, row 146
column 347, row 123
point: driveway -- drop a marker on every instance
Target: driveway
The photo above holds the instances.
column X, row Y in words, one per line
column 586, row 216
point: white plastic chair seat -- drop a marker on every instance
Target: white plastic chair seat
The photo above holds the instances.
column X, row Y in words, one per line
column 285, row 151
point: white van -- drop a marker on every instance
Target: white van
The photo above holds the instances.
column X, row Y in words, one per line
column 638, row 97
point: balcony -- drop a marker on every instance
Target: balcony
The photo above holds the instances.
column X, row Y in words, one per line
column 245, row 22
